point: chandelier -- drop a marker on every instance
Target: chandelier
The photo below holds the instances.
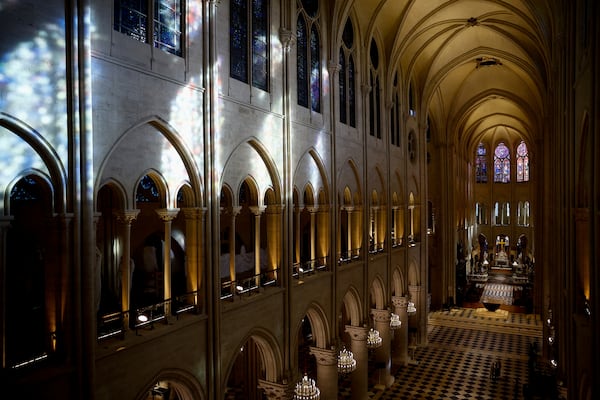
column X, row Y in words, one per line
column 373, row 339
column 346, row 361
column 307, row 389
column 411, row 309
column 395, row 322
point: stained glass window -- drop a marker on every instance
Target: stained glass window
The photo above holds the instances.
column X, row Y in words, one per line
column 481, row 164
column 249, row 22
column 502, row 164
column 342, row 84
column 346, row 76
column 132, row 19
column 147, row 192
column 302, row 62
column 167, row 26
column 374, row 94
column 308, row 55
column 260, row 44
column 522, row 163
column 315, row 70
column 238, row 37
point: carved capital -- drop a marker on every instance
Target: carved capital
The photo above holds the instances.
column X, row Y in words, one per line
column 381, row 315
column 324, row 356
column 357, row 332
column 257, row 210
column 167, row 214
column 287, row 39
column 126, row 216
column 276, row 391
column 193, row 213
column 400, row 302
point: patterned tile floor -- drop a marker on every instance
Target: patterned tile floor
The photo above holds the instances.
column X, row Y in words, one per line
column 457, row 361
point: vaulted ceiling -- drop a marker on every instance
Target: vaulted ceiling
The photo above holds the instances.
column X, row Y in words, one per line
column 477, row 66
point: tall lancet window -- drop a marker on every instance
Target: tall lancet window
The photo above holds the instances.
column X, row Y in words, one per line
column 374, row 95
column 522, row 163
column 308, row 57
column 395, row 117
column 346, row 77
column 502, row 164
column 248, row 34
column 481, row 164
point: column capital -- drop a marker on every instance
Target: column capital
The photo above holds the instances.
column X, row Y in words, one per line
column 287, row 38
column 312, row 209
column 381, row 315
column 334, row 67
column 324, row 356
column 275, row 208
column 233, row 211
column 348, row 209
column 400, row 302
column 127, row 216
column 167, row 214
column 257, row 210
column 193, row 212
column 276, row 391
column 357, row 332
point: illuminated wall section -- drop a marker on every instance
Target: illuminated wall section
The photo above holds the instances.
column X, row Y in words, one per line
column 33, row 74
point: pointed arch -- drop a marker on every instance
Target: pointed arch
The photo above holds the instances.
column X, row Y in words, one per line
column 351, row 301
column 50, row 158
column 186, row 156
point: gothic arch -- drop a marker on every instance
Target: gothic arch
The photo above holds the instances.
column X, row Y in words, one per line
column 413, row 273
column 398, row 283
column 269, row 352
column 377, row 294
column 186, row 157
column 319, row 325
column 161, row 185
column 184, row 384
column 351, row 301
column 51, row 160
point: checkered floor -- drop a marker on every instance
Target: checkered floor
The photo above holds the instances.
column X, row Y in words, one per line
column 456, row 364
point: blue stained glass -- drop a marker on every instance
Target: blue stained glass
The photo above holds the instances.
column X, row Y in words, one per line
column 342, row 80
column 315, row 70
column 351, row 95
column 302, row 62
column 238, row 30
column 147, row 192
column 260, row 44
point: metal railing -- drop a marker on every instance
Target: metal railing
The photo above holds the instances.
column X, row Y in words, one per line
column 247, row 286
column 309, row 267
column 113, row 324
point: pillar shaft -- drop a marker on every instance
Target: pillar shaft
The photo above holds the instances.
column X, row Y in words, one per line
column 327, row 374
column 358, row 346
column 126, row 218
column 400, row 342
column 383, row 356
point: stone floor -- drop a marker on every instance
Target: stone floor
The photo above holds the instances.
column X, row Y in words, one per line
column 456, row 363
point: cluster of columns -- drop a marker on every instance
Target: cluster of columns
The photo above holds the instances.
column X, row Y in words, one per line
column 394, row 350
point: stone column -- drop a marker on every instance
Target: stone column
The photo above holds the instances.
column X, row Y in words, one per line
column 327, row 374
column 4, row 226
column 125, row 218
column 257, row 211
column 193, row 246
column 297, row 236
column 383, row 356
column 400, row 342
column 167, row 215
column 349, row 238
column 234, row 212
column 360, row 376
column 313, row 231
column 418, row 320
column 322, row 233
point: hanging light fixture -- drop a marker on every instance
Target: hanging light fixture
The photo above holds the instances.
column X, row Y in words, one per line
column 346, row 361
column 307, row 389
column 395, row 322
column 373, row 339
column 411, row 309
